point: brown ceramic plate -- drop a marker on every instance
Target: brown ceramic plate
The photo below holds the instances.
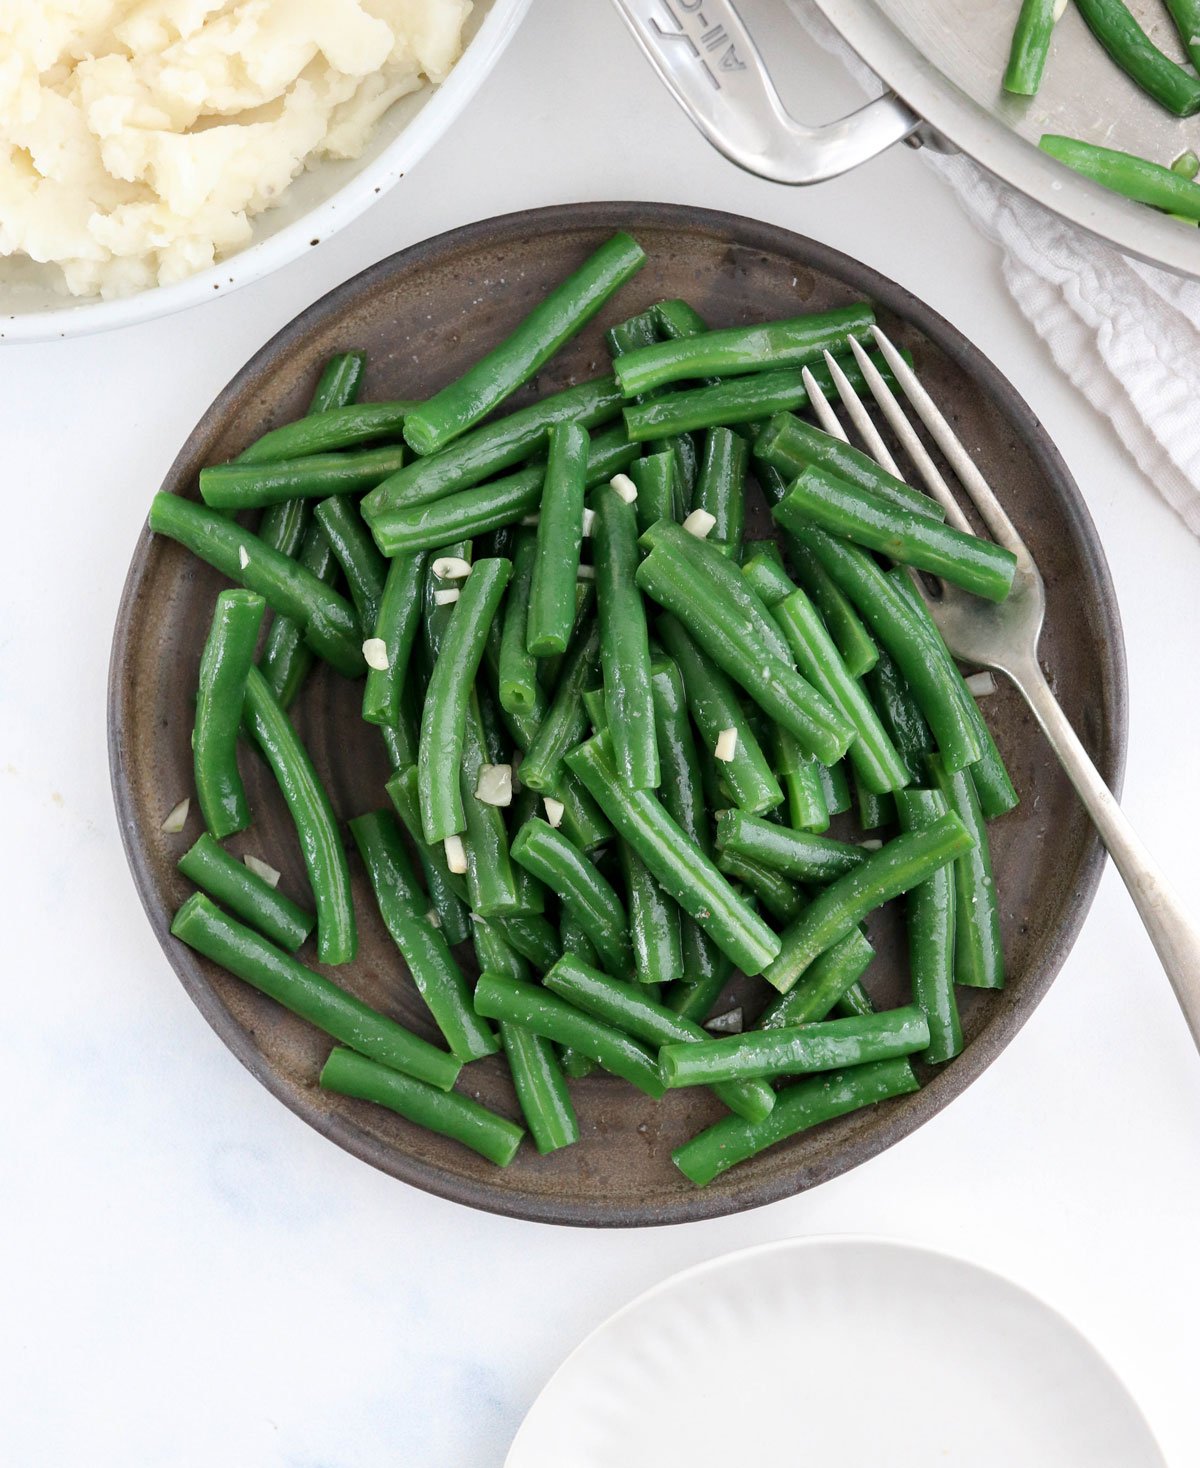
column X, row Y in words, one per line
column 422, row 316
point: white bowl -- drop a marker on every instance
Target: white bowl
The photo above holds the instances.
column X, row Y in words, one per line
column 318, row 203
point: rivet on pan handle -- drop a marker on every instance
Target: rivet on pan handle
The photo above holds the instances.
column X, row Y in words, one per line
column 703, row 52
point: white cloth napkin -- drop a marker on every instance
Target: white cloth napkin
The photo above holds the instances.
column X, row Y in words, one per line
column 1127, row 335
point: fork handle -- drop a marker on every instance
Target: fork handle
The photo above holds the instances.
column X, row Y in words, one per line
column 1175, row 935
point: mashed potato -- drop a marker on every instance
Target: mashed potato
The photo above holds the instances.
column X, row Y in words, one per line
column 138, row 138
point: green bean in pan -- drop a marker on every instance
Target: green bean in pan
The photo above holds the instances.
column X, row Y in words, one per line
column 531, row 894
column 1113, row 25
column 716, row 710
column 720, row 629
column 287, row 659
column 533, row 937
column 247, row 895
column 741, row 349
column 446, row 699
column 447, row 890
column 624, row 640
column 797, row 854
column 800, row 776
column 804, row 1105
column 874, row 810
column 486, row 384
column 820, row 498
column 330, row 625
column 824, row 986
column 900, row 715
column 627, row 1007
column 564, row 721
column 438, row 978
column 363, row 567
column 339, row 382
column 876, row 762
column 460, row 516
column 248, row 956
column 684, row 872
column 594, row 903
column 492, row 885
column 227, row 658
column 855, row 1001
column 930, row 920
column 677, row 320
column 776, row 894
column 653, row 924
column 494, row 447
column 835, row 785
column 627, row 336
column 448, row 567
column 1031, row 45
column 656, row 480
column 721, row 485
column 392, row 639
column 1127, row 174
column 495, row 954
column 516, row 681
column 906, row 636
column 555, row 570
column 446, row 1112
column 898, row 866
column 765, row 1054
column 313, row 817
column 328, row 431
column 400, row 742
column 536, row 1008
column 537, row 1079
column 240, row 486
column 978, row 953
column 790, row 446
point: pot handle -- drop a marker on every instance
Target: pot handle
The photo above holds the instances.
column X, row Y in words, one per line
column 708, row 60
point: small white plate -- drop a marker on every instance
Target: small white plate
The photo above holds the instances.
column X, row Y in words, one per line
column 839, row 1353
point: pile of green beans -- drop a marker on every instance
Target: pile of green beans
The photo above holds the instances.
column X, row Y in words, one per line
column 619, row 734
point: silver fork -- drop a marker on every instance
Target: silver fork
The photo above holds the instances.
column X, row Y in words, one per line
column 1004, row 636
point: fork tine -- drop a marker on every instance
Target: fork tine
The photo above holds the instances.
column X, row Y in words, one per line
column 905, row 432
column 861, row 419
column 819, row 403
column 948, row 441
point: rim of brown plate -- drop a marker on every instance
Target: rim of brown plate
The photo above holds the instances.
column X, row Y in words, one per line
column 896, row 1122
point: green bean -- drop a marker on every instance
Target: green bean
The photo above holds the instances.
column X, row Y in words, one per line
column 797, row 854
column 1187, row 165
column 247, row 895
column 251, row 958
column 364, row 568
column 487, row 383
column 678, row 319
column 740, row 349
column 807, row 1104
column 1031, row 46
column 531, row 894
column 562, row 726
column 446, row 1112
column 685, row 873
column 1126, row 174
column 400, row 743
column 624, row 641
column 896, row 867
column 492, row 885
column 800, row 1050
column 873, row 755
column 227, row 658
column 978, row 951
column 693, row 998
column 721, row 486
column 790, row 446
column 719, row 628
column 900, row 715
column 447, row 892
column 327, row 431
column 339, row 381
column 437, row 614
column 438, row 979
column 874, row 810
column 495, row 954
column 396, row 628
column 517, row 668
column 446, row 700
column 855, row 1001
column 538, row 1081
column 819, row 498
column 598, row 910
column 240, row 486
column 836, row 787
column 655, row 477
column 930, row 919
column 533, row 937
column 539, row 1010
column 653, row 924
column 776, row 895
column 715, row 708
column 1114, row 26
column 799, row 774
column 906, row 636
column 313, row 817
column 826, row 983
column 330, row 625
column 575, row 943
column 627, row 1007
column 610, row 452
column 559, row 536
column 459, row 516
column 287, row 659
column 626, row 336
column 493, row 447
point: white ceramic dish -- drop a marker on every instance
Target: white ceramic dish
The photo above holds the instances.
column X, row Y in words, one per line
column 317, row 204
column 843, row 1352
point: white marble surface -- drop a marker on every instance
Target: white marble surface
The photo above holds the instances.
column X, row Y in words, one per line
column 191, row 1275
